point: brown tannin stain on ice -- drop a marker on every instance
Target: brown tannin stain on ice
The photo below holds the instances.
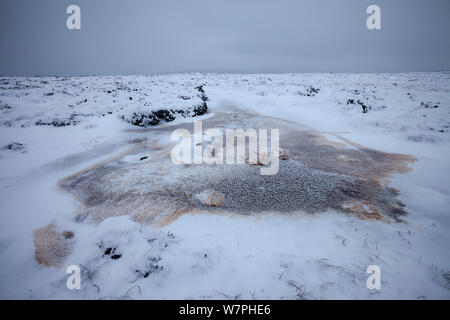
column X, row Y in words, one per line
column 51, row 245
column 317, row 174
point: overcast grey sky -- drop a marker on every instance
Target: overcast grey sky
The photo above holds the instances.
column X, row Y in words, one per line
column 155, row 36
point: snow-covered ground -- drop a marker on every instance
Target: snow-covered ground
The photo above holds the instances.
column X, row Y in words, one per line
column 54, row 128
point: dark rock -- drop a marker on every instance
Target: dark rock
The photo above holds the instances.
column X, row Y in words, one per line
column 428, row 105
column 16, row 146
column 5, row 107
column 363, row 106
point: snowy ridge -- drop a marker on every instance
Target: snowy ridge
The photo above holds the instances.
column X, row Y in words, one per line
column 61, row 102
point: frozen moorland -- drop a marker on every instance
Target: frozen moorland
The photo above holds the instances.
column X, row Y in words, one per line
column 86, row 179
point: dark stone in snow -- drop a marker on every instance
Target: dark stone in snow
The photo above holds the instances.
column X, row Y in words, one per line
column 363, row 106
column 5, row 106
column 112, row 251
column 16, row 146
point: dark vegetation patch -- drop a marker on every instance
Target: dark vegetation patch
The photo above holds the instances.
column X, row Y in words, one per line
column 309, row 92
column 15, row 146
column 364, row 107
column 5, row 106
column 152, row 266
column 71, row 121
column 152, row 118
